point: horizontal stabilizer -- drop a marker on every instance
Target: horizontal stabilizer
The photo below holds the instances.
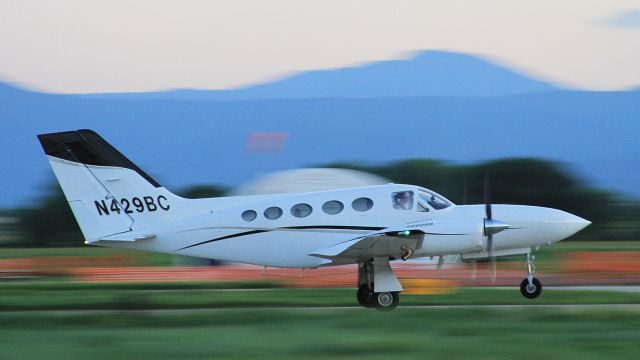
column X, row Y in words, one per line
column 129, row 237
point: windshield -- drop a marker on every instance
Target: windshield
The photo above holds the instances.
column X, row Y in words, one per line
column 434, row 200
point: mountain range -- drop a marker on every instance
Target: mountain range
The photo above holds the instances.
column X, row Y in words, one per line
column 428, row 73
column 438, row 105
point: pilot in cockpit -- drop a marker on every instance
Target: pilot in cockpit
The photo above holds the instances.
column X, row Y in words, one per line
column 403, row 200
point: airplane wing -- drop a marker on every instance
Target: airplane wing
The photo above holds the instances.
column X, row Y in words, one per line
column 389, row 242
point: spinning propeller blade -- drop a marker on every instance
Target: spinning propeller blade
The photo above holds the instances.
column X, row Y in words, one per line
column 487, row 195
column 489, row 231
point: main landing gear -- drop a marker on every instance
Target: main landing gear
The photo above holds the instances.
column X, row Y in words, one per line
column 378, row 286
column 530, row 286
column 383, row 301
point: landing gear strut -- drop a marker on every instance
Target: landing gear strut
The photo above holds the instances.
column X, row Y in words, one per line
column 389, row 288
column 365, row 295
column 530, row 286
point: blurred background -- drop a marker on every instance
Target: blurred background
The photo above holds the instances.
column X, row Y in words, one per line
column 215, row 98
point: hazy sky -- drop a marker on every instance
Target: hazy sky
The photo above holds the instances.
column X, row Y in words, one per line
column 96, row 46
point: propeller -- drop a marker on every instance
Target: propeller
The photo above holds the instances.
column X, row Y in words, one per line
column 491, row 226
column 487, row 210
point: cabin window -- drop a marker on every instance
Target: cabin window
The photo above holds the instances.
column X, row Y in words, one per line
column 333, row 207
column 273, row 213
column 402, row 200
column 249, row 215
column 362, row 204
column 301, row 210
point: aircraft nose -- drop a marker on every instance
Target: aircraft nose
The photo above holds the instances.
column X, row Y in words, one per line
column 575, row 223
column 561, row 225
column 533, row 225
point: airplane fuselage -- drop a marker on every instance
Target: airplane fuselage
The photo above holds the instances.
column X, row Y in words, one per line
column 288, row 239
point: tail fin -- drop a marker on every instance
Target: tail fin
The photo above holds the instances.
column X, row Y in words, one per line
column 108, row 193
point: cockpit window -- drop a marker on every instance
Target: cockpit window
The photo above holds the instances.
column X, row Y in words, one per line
column 434, row 200
column 422, row 207
column 402, row 200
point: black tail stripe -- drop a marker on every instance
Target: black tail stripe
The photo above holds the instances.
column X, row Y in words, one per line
column 252, row 232
column 89, row 148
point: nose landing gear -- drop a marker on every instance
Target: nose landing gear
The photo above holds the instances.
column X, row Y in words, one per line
column 530, row 286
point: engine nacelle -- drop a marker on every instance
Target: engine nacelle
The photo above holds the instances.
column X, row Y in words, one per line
column 442, row 237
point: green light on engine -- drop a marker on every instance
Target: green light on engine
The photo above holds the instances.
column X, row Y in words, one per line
column 405, row 233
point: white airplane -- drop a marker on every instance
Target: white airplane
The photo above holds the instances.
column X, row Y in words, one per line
column 118, row 205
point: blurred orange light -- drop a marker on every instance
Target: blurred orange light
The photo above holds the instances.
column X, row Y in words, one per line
column 266, row 141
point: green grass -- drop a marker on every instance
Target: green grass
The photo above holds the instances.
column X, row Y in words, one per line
column 7, row 253
column 314, row 334
column 136, row 258
column 557, row 251
column 231, row 321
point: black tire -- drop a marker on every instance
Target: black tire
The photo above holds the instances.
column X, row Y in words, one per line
column 365, row 296
column 531, row 291
column 386, row 301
